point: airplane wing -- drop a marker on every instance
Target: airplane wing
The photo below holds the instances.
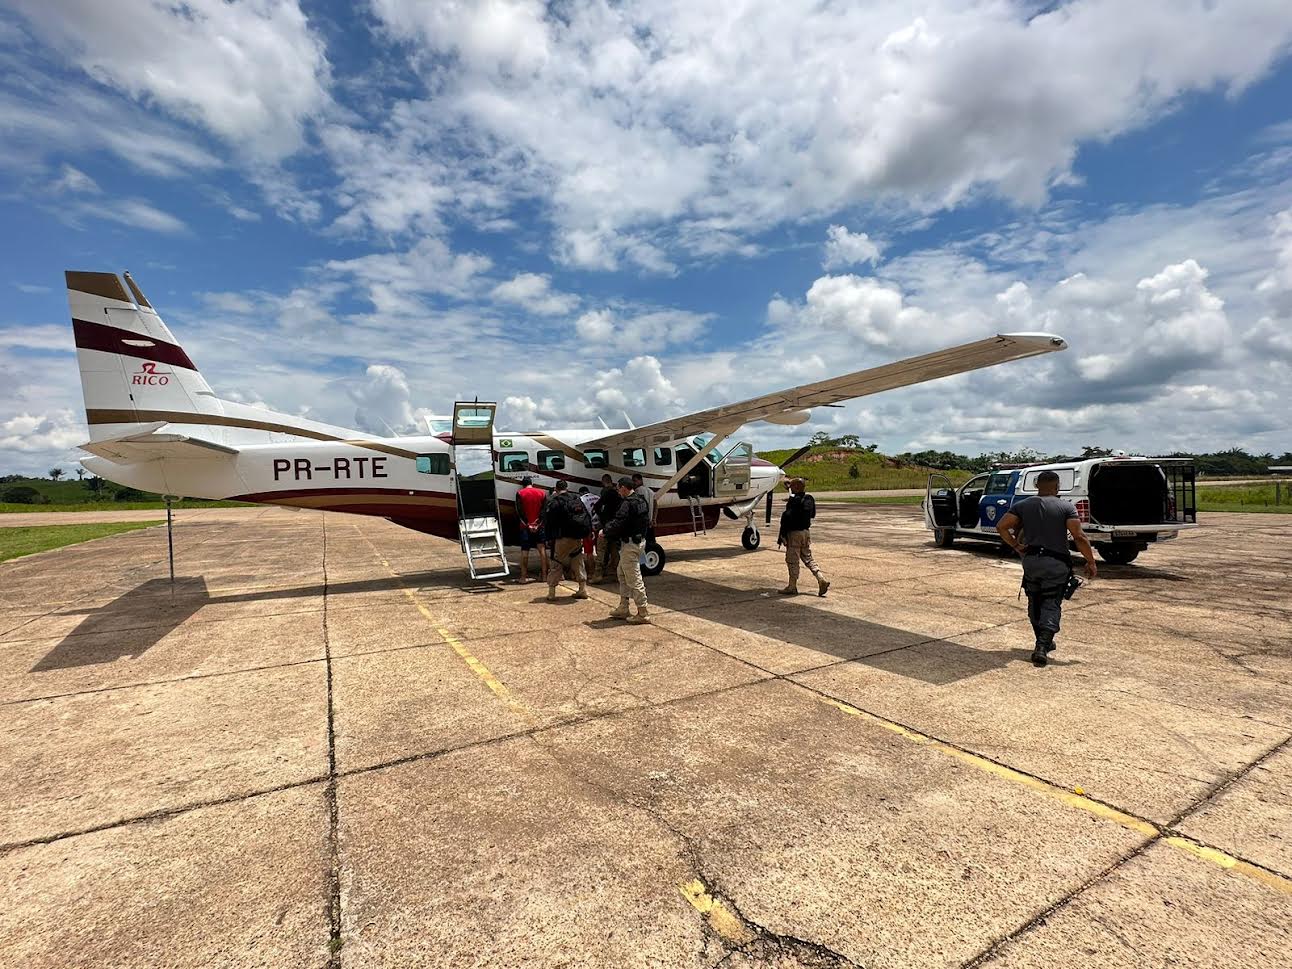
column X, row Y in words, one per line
column 789, row 406
column 152, row 447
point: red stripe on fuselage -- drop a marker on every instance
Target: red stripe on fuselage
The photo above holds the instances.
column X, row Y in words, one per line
column 112, row 339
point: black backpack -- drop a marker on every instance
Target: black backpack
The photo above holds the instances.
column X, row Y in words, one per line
column 577, row 523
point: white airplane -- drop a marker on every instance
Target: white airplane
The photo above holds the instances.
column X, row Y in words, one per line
column 155, row 424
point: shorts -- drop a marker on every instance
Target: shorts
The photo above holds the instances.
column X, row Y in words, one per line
column 532, row 539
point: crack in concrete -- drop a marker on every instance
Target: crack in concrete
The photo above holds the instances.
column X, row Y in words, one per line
column 329, row 792
column 1164, row 831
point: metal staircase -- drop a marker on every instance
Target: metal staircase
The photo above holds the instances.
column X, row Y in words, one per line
column 482, row 543
column 479, row 528
column 697, row 516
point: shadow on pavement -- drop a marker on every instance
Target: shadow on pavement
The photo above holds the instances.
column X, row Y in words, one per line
column 791, row 620
column 997, row 551
column 138, row 619
column 105, row 634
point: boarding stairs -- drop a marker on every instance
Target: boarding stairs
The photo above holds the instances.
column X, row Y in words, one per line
column 697, row 516
column 481, row 538
column 479, row 527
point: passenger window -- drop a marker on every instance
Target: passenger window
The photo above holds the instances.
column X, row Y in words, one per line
column 551, row 461
column 513, row 462
column 596, row 459
column 634, row 457
column 1067, row 476
column 998, row 484
column 433, row 463
column 663, row 457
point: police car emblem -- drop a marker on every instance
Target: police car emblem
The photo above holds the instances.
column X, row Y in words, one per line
column 991, row 513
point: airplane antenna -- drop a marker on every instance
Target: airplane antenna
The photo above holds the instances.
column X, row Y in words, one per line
column 388, row 427
column 603, row 422
column 631, row 425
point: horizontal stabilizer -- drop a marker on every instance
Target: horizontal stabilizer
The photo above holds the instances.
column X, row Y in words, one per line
column 139, row 448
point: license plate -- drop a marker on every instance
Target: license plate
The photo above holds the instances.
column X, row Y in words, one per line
column 1125, row 534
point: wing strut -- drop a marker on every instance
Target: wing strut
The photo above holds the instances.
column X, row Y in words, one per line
column 718, row 437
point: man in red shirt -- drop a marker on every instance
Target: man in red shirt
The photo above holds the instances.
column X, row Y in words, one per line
column 529, row 509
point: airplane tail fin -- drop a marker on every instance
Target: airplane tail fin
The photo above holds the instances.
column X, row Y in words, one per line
column 134, row 374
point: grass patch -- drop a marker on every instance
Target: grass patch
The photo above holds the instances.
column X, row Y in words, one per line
column 831, row 469
column 877, row 500
column 1251, row 498
column 9, row 508
column 30, row 539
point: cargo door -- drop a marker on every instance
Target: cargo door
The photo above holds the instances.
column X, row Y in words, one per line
column 479, row 529
column 732, row 474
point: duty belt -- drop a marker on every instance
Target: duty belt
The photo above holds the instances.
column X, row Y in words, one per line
column 1048, row 553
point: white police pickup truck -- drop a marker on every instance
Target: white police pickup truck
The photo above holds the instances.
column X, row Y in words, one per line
column 1125, row 503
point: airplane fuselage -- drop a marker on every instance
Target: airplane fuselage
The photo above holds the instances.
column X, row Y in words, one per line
column 381, row 476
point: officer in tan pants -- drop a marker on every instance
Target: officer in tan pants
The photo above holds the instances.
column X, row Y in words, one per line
column 796, row 536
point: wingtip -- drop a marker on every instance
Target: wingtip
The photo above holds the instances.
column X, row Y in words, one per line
column 1048, row 341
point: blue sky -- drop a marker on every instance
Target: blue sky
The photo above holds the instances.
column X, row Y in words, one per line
column 363, row 211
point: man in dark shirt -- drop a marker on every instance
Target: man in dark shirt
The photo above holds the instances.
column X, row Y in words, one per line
column 1038, row 529
column 566, row 522
column 605, row 509
column 628, row 530
column 796, row 520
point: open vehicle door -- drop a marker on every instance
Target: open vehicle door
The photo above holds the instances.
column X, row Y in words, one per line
column 479, row 529
column 941, row 509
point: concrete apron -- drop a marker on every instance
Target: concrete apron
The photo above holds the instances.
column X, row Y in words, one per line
column 329, row 746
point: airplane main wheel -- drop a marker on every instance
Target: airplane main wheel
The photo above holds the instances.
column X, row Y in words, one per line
column 751, row 538
column 653, row 559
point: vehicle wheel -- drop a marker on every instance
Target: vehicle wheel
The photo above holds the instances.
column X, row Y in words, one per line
column 1117, row 554
column 653, row 559
column 944, row 537
column 751, row 538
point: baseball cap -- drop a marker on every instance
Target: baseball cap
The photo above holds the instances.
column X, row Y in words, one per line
column 625, row 482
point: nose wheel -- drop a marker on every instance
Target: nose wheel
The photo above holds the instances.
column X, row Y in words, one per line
column 750, row 537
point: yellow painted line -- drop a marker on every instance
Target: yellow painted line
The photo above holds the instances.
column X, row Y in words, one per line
column 1073, row 799
column 1226, row 860
column 485, row 674
column 720, row 918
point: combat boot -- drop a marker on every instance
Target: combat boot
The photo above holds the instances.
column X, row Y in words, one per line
column 583, row 591
column 621, row 611
column 822, row 585
column 1039, row 657
column 643, row 616
column 789, row 590
column 551, row 593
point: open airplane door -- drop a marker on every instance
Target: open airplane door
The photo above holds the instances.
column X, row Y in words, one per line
column 479, row 529
column 732, row 474
column 941, row 510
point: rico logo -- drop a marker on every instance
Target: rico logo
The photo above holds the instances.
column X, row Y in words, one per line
column 149, row 376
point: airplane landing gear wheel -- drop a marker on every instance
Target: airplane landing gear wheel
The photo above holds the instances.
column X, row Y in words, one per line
column 653, row 559
column 750, row 538
column 944, row 537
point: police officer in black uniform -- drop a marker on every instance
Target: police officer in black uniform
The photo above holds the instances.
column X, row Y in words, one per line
column 1038, row 529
